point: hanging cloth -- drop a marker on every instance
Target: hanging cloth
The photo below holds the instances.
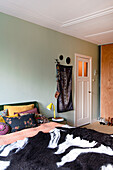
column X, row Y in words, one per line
column 64, row 87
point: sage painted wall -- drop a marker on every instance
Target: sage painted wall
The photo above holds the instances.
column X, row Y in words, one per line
column 27, row 63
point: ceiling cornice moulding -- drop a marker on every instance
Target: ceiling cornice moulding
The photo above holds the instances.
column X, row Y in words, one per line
column 100, row 33
column 88, row 17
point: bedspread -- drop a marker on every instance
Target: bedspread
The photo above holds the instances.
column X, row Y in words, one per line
column 12, row 137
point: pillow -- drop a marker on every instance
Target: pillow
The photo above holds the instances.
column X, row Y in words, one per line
column 3, row 112
column 2, row 120
column 21, row 122
column 28, row 112
column 4, row 128
column 16, row 115
column 41, row 119
column 22, row 108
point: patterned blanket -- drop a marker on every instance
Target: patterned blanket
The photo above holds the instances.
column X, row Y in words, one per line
column 62, row 148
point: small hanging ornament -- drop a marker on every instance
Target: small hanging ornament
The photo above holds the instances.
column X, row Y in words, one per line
column 61, row 57
column 68, row 60
column 57, row 94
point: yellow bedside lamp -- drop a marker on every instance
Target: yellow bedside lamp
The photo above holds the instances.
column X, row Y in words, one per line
column 49, row 107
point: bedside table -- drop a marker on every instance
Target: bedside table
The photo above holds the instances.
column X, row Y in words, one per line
column 62, row 122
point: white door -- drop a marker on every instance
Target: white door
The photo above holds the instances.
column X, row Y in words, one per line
column 83, row 90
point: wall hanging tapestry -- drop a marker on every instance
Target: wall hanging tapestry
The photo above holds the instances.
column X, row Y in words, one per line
column 64, row 87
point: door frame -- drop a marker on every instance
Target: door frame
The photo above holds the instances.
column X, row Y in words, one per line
column 75, row 85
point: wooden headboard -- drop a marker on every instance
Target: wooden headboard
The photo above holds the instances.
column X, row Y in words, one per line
column 23, row 103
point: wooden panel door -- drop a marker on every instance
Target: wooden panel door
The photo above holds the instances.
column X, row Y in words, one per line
column 107, row 81
column 83, row 91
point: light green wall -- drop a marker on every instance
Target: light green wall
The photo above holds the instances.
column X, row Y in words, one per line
column 27, row 65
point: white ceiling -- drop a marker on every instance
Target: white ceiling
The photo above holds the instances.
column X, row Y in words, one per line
column 90, row 20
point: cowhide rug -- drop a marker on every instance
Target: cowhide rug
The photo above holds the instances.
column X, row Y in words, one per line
column 62, row 148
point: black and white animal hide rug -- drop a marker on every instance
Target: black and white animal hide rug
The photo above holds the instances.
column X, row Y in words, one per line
column 62, row 148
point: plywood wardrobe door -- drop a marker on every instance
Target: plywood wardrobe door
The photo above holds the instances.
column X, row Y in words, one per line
column 107, row 81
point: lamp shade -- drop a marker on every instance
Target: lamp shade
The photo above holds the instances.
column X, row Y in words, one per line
column 49, row 107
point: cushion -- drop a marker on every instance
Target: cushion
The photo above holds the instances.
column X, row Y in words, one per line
column 21, row 122
column 34, row 110
column 16, row 115
column 4, row 112
column 4, row 128
column 2, row 120
column 22, row 108
column 41, row 119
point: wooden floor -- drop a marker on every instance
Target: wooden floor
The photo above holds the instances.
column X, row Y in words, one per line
column 100, row 128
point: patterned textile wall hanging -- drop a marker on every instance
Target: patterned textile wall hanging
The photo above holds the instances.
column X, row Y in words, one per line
column 64, row 87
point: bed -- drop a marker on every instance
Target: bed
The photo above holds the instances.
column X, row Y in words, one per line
column 51, row 146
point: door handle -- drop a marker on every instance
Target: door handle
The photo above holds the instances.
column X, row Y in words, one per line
column 89, row 91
